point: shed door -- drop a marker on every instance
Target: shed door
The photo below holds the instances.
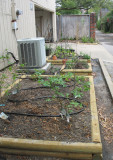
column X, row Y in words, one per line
column 39, row 26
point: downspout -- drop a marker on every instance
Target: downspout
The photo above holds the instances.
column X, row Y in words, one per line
column 13, row 10
column 89, row 27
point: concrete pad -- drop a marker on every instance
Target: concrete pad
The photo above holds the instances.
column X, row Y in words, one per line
column 44, row 68
column 106, row 39
column 109, row 67
column 95, row 51
column 107, row 77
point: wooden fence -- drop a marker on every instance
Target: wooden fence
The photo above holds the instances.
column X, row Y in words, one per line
column 73, row 26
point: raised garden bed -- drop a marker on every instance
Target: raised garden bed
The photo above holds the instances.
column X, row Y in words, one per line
column 60, row 61
column 84, row 72
column 74, row 149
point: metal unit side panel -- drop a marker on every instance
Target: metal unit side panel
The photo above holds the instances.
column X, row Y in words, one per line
column 40, row 53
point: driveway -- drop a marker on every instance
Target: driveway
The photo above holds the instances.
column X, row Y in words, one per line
column 106, row 39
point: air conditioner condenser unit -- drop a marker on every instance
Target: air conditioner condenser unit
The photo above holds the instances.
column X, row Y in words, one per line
column 32, row 52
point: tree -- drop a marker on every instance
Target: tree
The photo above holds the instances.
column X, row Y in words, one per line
column 67, row 5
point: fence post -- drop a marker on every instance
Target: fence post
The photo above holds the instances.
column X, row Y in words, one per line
column 92, row 25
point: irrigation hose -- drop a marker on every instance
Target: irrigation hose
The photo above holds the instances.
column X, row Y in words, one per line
column 35, row 115
column 41, row 116
column 31, row 88
column 13, row 56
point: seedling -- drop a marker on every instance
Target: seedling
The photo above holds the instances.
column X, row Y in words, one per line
column 87, row 40
column 63, row 53
column 76, row 63
column 85, row 56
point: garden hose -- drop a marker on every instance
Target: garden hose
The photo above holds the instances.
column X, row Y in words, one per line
column 40, row 116
column 13, row 56
column 35, row 115
column 31, row 88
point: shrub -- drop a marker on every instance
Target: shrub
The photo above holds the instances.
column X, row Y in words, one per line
column 107, row 22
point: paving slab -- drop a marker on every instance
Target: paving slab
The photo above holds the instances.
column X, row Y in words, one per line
column 109, row 67
column 106, row 39
column 107, row 76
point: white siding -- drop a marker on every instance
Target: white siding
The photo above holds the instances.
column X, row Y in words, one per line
column 26, row 21
column 7, row 38
column 46, row 4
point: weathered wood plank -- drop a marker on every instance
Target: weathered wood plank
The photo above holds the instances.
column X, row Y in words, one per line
column 89, row 70
column 47, row 154
column 94, row 114
column 52, row 146
column 11, row 86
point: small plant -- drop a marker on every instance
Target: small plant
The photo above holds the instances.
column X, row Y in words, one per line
column 76, row 63
column 37, row 74
column 3, row 77
column 84, row 56
column 63, row 53
column 87, row 39
column 56, row 82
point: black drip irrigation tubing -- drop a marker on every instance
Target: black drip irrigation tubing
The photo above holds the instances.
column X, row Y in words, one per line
column 31, row 88
column 40, row 116
column 35, row 115
column 13, row 56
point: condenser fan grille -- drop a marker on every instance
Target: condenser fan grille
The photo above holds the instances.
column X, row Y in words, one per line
column 31, row 53
column 28, row 54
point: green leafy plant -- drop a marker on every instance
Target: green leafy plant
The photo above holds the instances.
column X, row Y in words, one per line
column 76, row 63
column 107, row 23
column 4, row 84
column 87, row 39
column 37, row 74
column 85, row 56
column 56, row 82
column 63, row 53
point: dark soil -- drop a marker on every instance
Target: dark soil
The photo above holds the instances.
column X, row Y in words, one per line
column 46, row 128
column 55, row 69
column 104, row 104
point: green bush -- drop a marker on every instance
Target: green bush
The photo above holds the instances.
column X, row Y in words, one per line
column 107, row 22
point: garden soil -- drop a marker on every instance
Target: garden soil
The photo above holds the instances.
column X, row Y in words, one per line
column 104, row 104
column 45, row 128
